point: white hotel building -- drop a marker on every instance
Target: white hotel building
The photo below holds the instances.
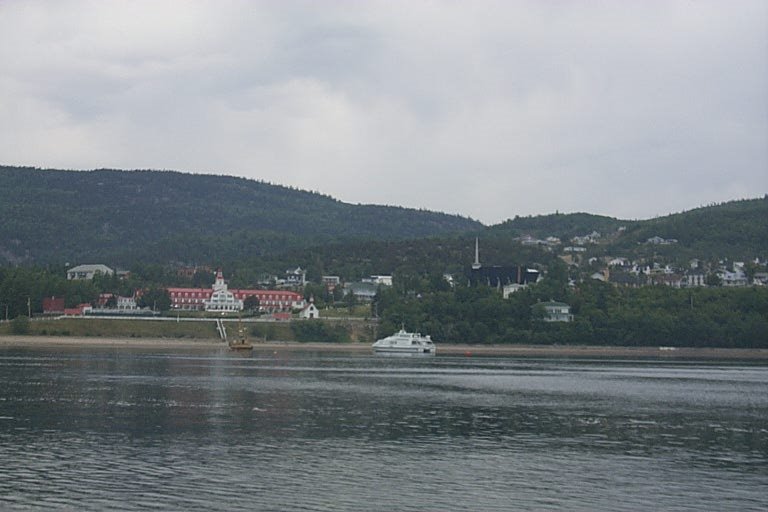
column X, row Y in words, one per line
column 220, row 298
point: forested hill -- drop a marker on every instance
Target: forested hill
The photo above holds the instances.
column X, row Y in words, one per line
column 123, row 216
column 561, row 225
column 731, row 230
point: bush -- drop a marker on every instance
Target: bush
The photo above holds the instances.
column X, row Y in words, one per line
column 20, row 325
column 313, row 330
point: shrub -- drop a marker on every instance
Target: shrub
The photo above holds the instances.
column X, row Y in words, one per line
column 20, row 325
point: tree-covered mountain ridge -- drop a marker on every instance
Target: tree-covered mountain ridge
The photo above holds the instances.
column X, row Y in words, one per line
column 733, row 229
column 124, row 216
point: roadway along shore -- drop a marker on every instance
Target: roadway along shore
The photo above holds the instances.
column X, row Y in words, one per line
column 575, row 351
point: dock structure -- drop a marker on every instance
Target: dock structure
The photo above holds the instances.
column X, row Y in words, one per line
column 221, row 329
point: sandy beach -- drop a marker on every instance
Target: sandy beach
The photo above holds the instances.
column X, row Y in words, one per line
column 553, row 351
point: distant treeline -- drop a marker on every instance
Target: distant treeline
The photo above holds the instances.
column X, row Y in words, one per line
column 603, row 315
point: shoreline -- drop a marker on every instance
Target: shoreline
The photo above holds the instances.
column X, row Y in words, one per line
column 554, row 351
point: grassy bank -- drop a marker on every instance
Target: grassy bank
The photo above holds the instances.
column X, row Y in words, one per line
column 107, row 328
column 336, row 330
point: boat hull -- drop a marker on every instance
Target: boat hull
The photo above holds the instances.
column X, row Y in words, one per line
column 240, row 346
column 404, row 350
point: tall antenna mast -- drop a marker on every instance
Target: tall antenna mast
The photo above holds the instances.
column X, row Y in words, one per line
column 476, row 265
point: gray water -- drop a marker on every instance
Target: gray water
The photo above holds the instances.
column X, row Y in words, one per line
column 144, row 429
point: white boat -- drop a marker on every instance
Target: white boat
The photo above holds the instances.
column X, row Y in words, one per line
column 405, row 343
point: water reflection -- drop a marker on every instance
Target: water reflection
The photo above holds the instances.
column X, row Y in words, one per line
column 342, row 432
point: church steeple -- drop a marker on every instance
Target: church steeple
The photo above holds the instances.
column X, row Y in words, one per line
column 476, row 265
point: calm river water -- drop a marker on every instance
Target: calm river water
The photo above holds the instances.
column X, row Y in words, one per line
column 151, row 429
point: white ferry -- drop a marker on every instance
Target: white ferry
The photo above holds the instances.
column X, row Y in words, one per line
column 405, row 343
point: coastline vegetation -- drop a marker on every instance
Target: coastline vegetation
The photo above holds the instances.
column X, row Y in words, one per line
column 603, row 315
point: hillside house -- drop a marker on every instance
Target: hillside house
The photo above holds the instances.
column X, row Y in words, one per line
column 591, row 238
column 733, row 279
column 657, row 240
column 296, row 277
column 555, row 311
column 365, row 292
column 694, row 277
column 331, row 282
column 672, row 280
column 88, row 271
column 379, row 279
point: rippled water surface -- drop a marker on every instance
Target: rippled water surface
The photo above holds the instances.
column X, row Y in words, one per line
column 128, row 429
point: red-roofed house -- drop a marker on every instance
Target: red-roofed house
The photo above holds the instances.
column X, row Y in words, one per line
column 79, row 310
column 53, row 306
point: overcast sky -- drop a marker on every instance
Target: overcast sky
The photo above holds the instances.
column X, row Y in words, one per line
column 482, row 108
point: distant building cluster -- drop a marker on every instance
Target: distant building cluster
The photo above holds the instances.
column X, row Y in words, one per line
column 284, row 298
column 283, row 295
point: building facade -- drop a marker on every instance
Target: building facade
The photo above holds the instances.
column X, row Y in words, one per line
column 220, row 298
column 555, row 311
column 88, row 271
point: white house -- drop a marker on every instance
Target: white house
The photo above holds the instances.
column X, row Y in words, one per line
column 296, row 277
column 126, row 303
column 362, row 291
column 694, row 277
column 383, row 280
column 657, row 240
column 735, row 278
column 88, row 271
column 555, row 311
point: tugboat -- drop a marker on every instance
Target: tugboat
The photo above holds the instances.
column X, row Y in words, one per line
column 241, row 341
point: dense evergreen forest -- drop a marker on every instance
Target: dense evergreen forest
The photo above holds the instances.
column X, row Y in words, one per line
column 123, row 217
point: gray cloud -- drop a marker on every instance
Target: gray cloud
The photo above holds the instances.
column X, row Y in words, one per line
column 488, row 109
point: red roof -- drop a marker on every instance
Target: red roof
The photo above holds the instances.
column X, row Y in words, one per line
column 53, row 305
